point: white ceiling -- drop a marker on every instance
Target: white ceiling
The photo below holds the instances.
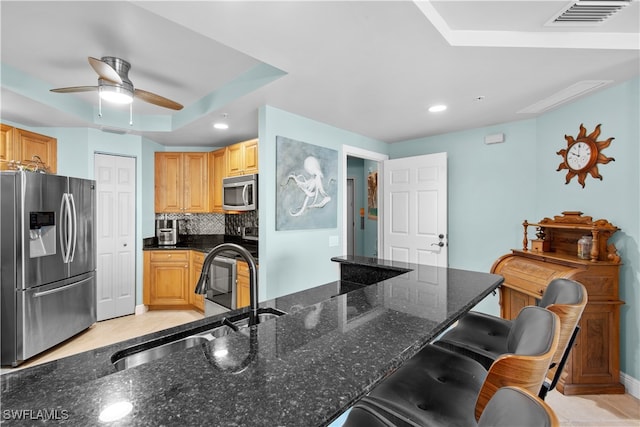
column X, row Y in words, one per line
column 368, row 67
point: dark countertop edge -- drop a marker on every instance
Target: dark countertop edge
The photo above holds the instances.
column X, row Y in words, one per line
column 384, row 264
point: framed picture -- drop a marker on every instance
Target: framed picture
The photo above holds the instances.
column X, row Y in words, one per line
column 372, row 195
column 306, row 180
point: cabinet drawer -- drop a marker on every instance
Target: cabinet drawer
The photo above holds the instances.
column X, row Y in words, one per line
column 176, row 256
column 198, row 257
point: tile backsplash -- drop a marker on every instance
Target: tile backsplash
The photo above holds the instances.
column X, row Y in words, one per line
column 212, row 223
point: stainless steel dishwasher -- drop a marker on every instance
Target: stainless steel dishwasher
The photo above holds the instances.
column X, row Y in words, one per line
column 222, row 288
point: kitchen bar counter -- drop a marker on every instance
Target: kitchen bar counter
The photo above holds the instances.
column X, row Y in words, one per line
column 337, row 342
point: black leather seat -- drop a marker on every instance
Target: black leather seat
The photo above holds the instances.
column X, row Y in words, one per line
column 444, row 388
column 510, row 406
column 484, row 337
column 513, row 406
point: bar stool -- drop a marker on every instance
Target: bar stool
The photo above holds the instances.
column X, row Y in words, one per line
column 484, row 337
column 440, row 387
column 508, row 407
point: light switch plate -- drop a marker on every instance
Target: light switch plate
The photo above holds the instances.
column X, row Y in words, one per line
column 334, row 241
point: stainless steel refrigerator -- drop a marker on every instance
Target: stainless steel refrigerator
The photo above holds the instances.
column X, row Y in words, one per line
column 48, row 259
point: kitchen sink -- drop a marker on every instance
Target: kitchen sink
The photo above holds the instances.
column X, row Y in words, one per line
column 161, row 347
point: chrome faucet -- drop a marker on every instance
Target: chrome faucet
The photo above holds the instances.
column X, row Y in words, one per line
column 203, row 282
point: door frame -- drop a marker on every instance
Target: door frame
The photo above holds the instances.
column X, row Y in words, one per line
column 361, row 153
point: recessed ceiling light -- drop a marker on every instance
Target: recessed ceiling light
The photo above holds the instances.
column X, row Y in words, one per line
column 222, row 124
column 437, row 108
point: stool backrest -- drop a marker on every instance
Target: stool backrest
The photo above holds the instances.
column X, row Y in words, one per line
column 514, row 406
column 536, row 333
column 566, row 298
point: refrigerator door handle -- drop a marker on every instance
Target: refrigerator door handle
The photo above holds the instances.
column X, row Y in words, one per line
column 61, row 228
column 66, row 225
column 61, row 288
column 74, row 226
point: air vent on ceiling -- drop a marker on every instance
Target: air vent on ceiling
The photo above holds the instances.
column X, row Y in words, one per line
column 117, row 131
column 587, row 12
column 565, row 95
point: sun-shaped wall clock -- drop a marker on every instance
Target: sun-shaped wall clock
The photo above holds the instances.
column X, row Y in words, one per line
column 583, row 154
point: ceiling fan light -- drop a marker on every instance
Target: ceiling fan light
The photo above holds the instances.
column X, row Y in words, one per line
column 116, row 95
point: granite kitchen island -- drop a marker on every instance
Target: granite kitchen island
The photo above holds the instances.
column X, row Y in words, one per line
column 335, row 343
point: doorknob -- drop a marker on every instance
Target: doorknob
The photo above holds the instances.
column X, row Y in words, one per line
column 440, row 243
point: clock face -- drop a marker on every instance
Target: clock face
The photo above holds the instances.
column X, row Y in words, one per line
column 578, row 155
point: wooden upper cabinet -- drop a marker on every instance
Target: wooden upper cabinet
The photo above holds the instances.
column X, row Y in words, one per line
column 181, row 182
column 5, row 145
column 217, row 171
column 33, row 150
column 242, row 158
column 251, row 156
column 196, row 182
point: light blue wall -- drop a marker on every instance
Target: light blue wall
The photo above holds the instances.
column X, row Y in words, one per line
column 295, row 260
column 493, row 188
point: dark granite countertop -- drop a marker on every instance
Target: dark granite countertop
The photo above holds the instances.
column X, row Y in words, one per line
column 337, row 341
column 202, row 243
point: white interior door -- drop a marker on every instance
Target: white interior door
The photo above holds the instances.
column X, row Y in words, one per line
column 116, row 216
column 415, row 209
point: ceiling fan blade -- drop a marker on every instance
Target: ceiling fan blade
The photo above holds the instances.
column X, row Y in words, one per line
column 105, row 71
column 161, row 101
column 75, row 89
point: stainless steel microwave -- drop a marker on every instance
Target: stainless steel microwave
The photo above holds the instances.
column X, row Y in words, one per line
column 240, row 193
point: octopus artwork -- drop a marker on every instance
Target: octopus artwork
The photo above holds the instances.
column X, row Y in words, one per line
column 307, row 190
column 312, row 187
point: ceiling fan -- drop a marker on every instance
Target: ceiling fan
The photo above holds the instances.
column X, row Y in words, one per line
column 114, row 84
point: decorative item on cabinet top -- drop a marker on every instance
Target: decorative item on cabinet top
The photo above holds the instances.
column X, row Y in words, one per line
column 562, row 233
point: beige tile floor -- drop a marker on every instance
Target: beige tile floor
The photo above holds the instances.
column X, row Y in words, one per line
column 621, row 410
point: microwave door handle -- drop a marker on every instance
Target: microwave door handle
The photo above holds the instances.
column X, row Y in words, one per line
column 245, row 199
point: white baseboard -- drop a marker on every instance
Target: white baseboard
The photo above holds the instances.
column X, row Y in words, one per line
column 632, row 385
column 141, row 309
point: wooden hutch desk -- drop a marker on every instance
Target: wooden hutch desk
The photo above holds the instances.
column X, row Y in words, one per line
column 594, row 364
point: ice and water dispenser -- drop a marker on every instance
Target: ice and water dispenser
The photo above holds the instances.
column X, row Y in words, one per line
column 42, row 234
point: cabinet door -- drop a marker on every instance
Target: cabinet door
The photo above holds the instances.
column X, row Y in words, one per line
column 196, row 182
column 594, row 359
column 197, row 260
column 242, row 289
column 168, row 279
column 6, row 145
column 513, row 301
column 217, row 171
column 168, row 182
column 28, row 146
column 235, row 159
column 251, row 156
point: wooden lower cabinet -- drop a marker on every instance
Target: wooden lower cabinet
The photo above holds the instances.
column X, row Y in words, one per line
column 169, row 279
column 197, row 261
column 242, row 284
